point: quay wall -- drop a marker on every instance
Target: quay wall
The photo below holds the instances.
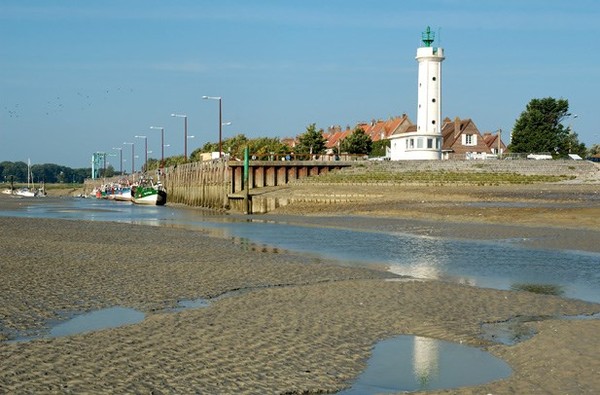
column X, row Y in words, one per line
column 198, row 184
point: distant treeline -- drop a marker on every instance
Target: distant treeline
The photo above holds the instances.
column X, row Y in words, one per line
column 48, row 173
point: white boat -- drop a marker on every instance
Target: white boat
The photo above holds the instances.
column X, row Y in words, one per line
column 25, row 192
column 123, row 194
column 28, row 191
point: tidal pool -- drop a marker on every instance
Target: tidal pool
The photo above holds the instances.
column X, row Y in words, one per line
column 413, row 363
column 111, row 317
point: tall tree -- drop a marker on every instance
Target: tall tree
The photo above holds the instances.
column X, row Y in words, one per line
column 540, row 129
column 311, row 141
column 357, row 143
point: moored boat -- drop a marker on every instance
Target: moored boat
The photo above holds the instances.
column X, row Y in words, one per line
column 149, row 193
column 123, row 194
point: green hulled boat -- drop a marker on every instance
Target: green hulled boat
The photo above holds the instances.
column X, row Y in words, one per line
column 149, row 193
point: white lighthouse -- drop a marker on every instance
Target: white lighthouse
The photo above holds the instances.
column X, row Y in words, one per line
column 424, row 142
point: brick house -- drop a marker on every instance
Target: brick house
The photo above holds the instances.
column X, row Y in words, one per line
column 494, row 141
column 462, row 140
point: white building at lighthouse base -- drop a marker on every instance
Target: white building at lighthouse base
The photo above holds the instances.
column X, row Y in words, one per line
column 413, row 145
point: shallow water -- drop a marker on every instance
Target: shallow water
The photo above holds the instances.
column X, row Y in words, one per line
column 496, row 264
column 111, row 317
column 415, row 363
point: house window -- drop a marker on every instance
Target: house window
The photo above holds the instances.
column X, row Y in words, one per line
column 419, row 143
column 406, row 143
column 438, row 143
column 469, row 139
column 429, row 143
column 412, row 143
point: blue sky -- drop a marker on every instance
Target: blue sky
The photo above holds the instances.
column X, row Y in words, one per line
column 77, row 77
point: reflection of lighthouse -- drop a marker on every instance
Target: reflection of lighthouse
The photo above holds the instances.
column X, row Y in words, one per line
column 425, row 360
column 424, row 143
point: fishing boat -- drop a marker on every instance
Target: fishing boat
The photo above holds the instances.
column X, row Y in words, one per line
column 149, row 193
column 123, row 194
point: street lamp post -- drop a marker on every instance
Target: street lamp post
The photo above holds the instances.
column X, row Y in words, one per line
column 120, row 149
column 145, row 151
column 184, row 133
column 162, row 144
column 220, row 119
column 132, row 158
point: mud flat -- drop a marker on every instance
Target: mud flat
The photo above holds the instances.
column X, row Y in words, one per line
column 304, row 325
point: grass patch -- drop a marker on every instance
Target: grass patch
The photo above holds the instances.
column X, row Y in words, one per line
column 377, row 176
column 544, row 289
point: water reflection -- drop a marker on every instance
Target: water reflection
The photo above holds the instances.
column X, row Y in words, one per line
column 415, row 363
column 425, row 359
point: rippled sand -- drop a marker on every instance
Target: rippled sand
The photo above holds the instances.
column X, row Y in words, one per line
column 304, row 326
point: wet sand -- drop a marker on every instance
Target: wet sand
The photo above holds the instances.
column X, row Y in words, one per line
column 304, row 325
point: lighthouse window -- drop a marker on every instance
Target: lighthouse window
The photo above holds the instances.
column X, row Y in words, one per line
column 433, row 122
column 433, row 78
column 412, row 143
column 419, row 143
column 429, row 143
column 433, row 100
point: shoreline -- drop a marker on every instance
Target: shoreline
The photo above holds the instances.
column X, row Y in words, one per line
column 307, row 326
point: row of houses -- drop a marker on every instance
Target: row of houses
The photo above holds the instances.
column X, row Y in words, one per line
column 460, row 137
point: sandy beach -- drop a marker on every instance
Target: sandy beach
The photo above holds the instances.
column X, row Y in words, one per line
column 298, row 324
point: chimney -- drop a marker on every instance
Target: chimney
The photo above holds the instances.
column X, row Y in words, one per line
column 456, row 127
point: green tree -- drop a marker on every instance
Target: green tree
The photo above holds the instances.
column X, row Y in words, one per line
column 540, row 128
column 264, row 146
column 311, row 141
column 110, row 172
column 234, row 146
column 357, row 143
column 594, row 150
column 380, row 147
